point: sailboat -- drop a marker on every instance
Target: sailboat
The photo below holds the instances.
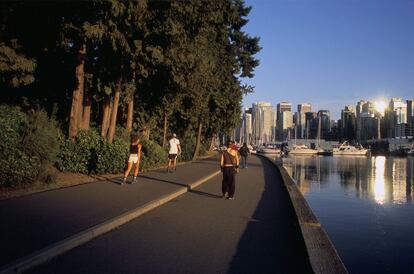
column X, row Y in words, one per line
column 302, row 149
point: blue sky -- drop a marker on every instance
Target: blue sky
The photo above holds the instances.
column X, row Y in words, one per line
column 332, row 52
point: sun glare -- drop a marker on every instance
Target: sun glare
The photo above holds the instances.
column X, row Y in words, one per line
column 380, row 106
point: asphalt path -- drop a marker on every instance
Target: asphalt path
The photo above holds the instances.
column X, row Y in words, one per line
column 33, row 222
column 199, row 232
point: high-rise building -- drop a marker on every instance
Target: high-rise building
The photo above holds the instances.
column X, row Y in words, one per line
column 284, row 121
column 367, row 127
column 285, row 125
column 359, row 107
column 264, row 123
column 410, row 112
column 311, row 125
column 284, row 106
column 325, row 123
column 348, row 123
column 399, row 107
column 248, row 131
column 300, row 122
column 304, row 107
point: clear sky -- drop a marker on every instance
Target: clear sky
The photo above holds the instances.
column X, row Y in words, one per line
column 332, row 52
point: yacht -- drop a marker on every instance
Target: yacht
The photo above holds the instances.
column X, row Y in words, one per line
column 347, row 149
column 304, row 150
column 269, row 150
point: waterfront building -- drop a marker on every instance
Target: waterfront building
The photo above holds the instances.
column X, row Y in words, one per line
column 311, row 119
column 300, row 121
column 347, row 127
column 359, row 107
column 395, row 114
column 284, row 121
column 367, row 127
column 388, row 123
column 285, row 125
column 283, row 106
column 399, row 107
column 410, row 112
column 304, row 107
column 404, row 130
column 263, row 123
column 248, row 130
column 367, row 123
column 325, row 122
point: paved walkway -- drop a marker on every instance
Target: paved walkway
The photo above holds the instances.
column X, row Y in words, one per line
column 199, row 232
column 33, row 222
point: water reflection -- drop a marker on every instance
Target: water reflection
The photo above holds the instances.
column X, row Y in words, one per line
column 379, row 179
column 382, row 179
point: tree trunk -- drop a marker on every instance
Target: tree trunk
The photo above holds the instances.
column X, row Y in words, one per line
column 80, row 106
column 130, row 114
column 164, row 137
column 213, row 141
column 86, row 113
column 77, row 96
column 114, row 114
column 105, row 116
column 198, row 141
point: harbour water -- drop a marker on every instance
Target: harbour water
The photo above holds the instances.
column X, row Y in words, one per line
column 366, row 206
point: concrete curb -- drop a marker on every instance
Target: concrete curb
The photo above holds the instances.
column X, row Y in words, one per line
column 48, row 253
column 322, row 254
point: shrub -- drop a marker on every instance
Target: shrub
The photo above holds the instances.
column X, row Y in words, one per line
column 187, row 149
column 40, row 139
column 111, row 158
column 90, row 153
column 28, row 145
column 76, row 156
column 152, row 154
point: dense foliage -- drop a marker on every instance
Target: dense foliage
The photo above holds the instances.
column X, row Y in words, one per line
column 28, row 143
column 154, row 67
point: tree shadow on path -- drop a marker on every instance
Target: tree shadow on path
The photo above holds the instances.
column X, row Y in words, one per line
column 272, row 241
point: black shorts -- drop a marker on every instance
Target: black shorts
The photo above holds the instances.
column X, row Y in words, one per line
column 172, row 156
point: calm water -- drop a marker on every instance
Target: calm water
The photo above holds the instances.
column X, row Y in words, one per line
column 366, row 206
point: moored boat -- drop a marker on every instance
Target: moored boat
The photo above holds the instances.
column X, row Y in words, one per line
column 304, row 150
column 346, row 149
column 269, row 150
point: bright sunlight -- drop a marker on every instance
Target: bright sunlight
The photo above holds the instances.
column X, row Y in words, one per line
column 380, row 106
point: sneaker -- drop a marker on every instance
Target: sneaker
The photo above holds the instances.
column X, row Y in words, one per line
column 134, row 180
column 231, row 198
column 124, row 181
column 224, row 195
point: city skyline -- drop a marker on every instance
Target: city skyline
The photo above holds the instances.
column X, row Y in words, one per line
column 332, row 53
column 363, row 120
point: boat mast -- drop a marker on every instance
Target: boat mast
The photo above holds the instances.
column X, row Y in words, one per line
column 318, row 138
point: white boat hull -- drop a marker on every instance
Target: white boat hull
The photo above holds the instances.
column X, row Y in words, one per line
column 268, row 151
column 307, row 151
column 361, row 152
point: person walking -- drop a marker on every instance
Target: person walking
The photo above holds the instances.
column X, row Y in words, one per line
column 134, row 159
column 229, row 164
column 175, row 150
column 244, row 152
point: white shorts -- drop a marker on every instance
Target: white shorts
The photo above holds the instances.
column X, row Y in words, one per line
column 133, row 158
